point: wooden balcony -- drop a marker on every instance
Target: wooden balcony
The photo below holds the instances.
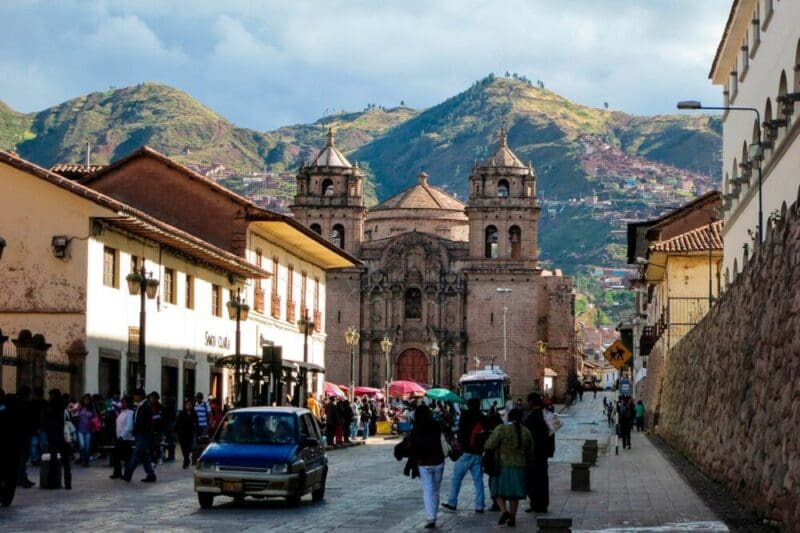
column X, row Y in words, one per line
column 276, row 306
column 290, row 311
column 258, row 300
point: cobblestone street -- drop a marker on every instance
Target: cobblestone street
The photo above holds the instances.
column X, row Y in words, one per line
column 635, row 491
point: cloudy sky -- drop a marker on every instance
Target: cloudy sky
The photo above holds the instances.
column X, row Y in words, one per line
column 264, row 64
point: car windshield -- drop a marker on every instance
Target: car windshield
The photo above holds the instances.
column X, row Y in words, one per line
column 257, row 428
column 488, row 392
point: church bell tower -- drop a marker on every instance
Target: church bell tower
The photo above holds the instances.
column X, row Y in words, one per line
column 329, row 198
column 503, row 211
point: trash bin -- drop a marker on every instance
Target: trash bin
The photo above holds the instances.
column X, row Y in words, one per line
column 580, row 477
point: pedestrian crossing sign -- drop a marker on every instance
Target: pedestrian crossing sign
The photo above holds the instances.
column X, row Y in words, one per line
column 618, row 354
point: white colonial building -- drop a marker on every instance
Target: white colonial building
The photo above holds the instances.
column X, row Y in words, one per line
column 758, row 66
column 67, row 247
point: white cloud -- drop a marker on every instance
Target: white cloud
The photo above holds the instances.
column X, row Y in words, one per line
column 264, row 64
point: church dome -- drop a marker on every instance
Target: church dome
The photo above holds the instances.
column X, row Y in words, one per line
column 421, row 196
column 423, row 208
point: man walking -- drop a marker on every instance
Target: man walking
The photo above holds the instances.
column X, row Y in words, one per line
column 544, row 447
column 472, row 431
column 142, row 433
column 202, row 409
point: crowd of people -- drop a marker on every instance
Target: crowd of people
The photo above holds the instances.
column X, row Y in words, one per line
column 513, row 450
column 128, row 431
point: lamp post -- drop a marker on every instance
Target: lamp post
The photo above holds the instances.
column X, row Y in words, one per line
column 434, row 354
column 386, row 346
column 238, row 311
column 504, row 291
column 141, row 283
column 351, row 337
column 757, row 154
column 304, row 326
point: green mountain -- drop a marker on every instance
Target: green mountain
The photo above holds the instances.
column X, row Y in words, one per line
column 543, row 128
column 596, row 167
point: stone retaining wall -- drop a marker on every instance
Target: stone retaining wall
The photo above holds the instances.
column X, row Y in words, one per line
column 730, row 389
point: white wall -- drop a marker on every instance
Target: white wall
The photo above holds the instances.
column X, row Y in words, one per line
column 776, row 52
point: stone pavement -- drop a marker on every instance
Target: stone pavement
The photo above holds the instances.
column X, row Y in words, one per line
column 635, row 491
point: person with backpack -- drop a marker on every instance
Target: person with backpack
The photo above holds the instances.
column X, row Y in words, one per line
column 55, row 424
column 471, row 436
column 513, row 445
column 544, row 447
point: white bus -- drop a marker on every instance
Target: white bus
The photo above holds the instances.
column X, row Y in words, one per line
column 490, row 386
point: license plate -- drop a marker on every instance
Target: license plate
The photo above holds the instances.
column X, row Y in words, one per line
column 232, row 486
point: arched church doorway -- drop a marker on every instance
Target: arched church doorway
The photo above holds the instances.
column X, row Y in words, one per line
column 412, row 365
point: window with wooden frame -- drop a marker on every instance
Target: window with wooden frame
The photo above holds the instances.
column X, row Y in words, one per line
column 290, row 311
column 169, row 286
column 303, row 289
column 276, row 299
column 258, row 291
column 189, row 291
column 216, row 300
column 110, row 267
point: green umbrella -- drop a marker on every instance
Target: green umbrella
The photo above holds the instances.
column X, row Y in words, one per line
column 443, row 395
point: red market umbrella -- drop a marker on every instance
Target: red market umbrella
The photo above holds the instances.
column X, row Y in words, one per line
column 399, row 389
column 332, row 389
column 367, row 391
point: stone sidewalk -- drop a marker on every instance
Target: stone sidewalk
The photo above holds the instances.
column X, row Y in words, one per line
column 637, row 490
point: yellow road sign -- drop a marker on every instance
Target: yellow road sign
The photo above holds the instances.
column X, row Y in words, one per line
column 618, row 354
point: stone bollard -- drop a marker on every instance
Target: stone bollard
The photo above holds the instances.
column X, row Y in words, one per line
column 589, row 454
column 554, row 525
column 580, row 477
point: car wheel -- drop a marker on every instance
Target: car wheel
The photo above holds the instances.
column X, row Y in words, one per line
column 206, row 500
column 319, row 494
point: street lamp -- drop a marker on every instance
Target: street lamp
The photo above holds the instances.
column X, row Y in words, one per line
column 504, row 291
column 756, row 154
column 141, row 283
column 386, row 346
column 306, row 327
column 434, row 353
column 351, row 337
column 238, row 311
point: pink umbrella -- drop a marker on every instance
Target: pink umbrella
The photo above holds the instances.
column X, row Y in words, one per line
column 405, row 388
column 332, row 389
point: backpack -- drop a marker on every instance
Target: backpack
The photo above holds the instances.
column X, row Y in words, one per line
column 478, row 438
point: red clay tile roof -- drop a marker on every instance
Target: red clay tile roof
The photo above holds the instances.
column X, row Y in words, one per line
column 144, row 225
column 696, row 240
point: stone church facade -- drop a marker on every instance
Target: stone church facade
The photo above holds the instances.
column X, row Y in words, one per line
column 438, row 272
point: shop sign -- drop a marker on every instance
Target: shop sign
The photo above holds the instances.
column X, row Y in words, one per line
column 217, row 341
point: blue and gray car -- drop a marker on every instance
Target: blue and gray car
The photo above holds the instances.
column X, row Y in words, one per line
column 263, row 452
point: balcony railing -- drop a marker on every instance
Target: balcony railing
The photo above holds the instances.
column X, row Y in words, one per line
column 687, row 310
